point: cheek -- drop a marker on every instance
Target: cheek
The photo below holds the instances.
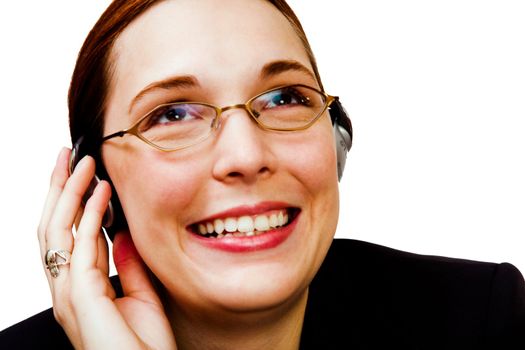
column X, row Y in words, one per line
column 314, row 163
column 152, row 185
column 315, row 166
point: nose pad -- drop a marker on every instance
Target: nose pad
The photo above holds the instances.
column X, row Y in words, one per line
column 218, row 122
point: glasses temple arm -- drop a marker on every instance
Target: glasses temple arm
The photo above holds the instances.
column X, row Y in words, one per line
column 115, row 134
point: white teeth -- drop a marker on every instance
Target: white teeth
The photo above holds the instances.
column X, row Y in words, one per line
column 261, row 223
column 245, row 224
column 219, row 226
column 230, row 225
column 280, row 219
column 273, row 220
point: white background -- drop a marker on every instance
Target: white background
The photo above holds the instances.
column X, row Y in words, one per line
column 435, row 90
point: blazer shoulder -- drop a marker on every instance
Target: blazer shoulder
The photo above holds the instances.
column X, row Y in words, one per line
column 39, row 331
column 506, row 311
column 360, row 258
column 368, row 255
column 412, row 298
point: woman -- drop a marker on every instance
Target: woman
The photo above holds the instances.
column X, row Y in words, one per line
column 225, row 215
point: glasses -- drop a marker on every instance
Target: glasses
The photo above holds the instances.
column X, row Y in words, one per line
column 178, row 125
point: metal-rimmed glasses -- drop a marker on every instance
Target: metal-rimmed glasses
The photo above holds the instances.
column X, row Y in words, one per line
column 178, row 125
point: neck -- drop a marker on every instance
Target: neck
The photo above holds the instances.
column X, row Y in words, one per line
column 277, row 328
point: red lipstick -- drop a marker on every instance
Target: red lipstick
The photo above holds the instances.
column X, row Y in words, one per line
column 253, row 241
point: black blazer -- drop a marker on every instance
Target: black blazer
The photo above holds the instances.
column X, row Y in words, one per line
column 367, row 296
column 371, row 297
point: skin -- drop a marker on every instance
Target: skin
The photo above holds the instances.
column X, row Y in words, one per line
column 253, row 299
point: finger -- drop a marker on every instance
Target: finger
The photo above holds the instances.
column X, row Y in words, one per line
column 132, row 271
column 103, row 253
column 85, row 287
column 87, row 241
column 58, row 234
column 57, row 183
column 103, row 256
column 78, row 217
column 69, row 203
column 89, row 281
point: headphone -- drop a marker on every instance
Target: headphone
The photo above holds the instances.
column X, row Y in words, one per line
column 114, row 218
column 343, row 133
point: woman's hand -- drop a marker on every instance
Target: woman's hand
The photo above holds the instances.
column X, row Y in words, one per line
column 84, row 301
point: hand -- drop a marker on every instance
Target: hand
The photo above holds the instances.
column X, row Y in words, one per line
column 84, row 302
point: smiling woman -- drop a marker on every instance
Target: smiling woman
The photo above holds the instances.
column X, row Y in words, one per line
column 206, row 148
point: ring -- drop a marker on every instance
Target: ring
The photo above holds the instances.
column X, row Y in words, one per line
column 56, row 258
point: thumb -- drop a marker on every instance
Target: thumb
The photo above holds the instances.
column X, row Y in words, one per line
column 132, row 271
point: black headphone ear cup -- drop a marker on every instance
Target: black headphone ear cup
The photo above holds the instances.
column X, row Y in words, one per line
column 342, row 140
column 343, row 134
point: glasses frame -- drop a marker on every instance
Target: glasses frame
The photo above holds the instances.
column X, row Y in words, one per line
column 134, row 129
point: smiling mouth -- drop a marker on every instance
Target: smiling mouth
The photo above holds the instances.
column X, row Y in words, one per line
column 245, row 225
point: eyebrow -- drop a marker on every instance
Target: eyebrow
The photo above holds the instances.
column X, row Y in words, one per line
column 176, row 82
column 274, row 68
column 269, row 70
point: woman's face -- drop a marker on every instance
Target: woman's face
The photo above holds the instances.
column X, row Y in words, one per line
column 229, row 51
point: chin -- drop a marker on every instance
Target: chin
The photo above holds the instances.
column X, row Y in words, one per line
column 258, row 293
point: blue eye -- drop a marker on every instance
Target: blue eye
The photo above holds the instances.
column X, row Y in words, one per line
column 170, row 115
column 282, row 99
column 285, row 97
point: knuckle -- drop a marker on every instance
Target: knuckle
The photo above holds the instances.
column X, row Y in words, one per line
column 94, row 207
column 40, row 231
column 61, row 309
column 59, row 313
column 55, row 227
column 47, row 234
column 58, row 179
column 74, row 189
column 59, row 226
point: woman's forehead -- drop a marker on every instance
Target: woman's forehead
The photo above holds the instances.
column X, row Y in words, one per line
column 213, row 40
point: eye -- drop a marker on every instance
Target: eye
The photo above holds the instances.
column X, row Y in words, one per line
column 171, row 114
column 284, row 97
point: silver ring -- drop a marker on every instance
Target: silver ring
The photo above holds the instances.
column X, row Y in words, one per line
column 56, row 258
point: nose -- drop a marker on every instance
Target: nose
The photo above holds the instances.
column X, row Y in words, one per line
column 242, row 150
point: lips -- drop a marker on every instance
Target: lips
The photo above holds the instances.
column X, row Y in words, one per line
column 246, row 228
